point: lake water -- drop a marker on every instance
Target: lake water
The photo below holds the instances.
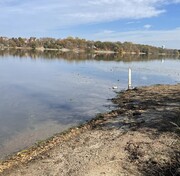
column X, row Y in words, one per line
column 45, row 93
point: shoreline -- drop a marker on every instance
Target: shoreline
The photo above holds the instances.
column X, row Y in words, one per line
column 41, row 147
column 141, row 117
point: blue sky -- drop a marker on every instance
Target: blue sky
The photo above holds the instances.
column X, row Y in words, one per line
column 154, row 22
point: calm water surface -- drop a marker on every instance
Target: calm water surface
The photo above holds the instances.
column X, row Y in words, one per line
column 42, row 94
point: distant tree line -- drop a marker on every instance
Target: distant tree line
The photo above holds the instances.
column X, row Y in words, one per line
column 78, row 44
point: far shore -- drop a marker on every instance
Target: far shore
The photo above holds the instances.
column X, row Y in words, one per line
column 77, row 50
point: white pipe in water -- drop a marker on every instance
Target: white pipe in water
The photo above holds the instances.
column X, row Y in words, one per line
column 129, row 79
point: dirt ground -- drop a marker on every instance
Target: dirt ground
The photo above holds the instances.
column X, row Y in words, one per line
column 140, row 137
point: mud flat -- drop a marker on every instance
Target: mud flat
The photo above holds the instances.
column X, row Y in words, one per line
column 140, row 137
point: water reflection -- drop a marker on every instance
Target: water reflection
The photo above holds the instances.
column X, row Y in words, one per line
column 82, row 56
column 43, row 93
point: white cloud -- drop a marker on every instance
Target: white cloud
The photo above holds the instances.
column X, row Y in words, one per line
column 147, row 26
column 108, row 31
column 133, row 22
column 152, row 37
column 73, row 12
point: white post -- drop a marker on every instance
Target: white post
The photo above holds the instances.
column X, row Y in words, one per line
column 129, row 79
